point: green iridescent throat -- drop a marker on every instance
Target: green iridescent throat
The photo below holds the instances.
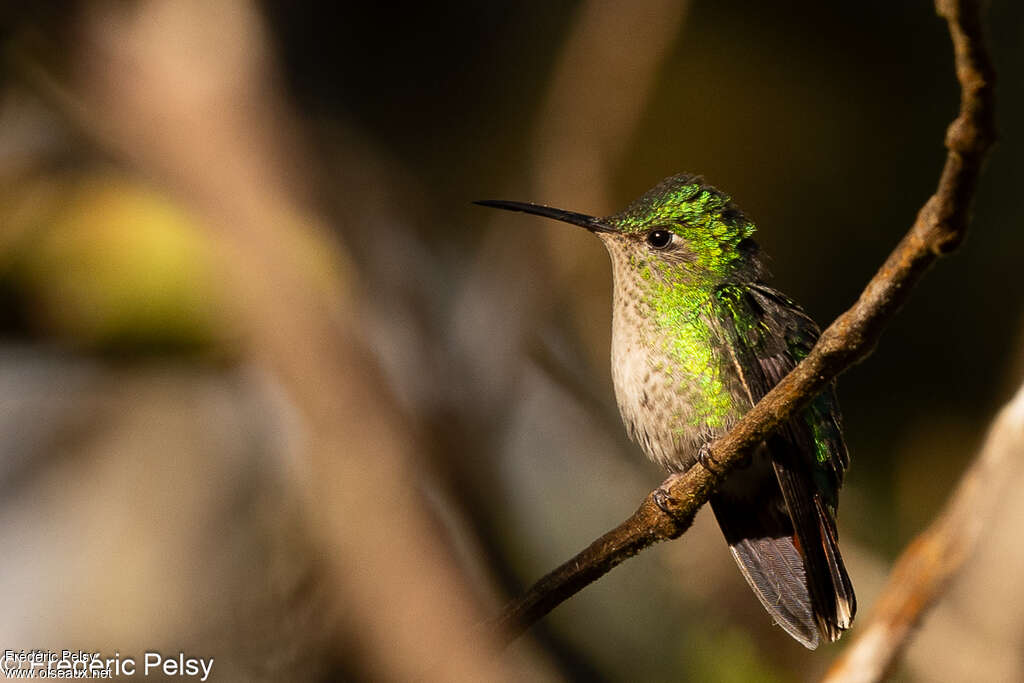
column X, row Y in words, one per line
column 683, row 315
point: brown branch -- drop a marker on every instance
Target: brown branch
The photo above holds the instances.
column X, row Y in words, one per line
column 939, row 228
column 936, row 555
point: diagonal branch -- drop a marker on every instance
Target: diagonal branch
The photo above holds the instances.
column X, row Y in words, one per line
column 939, row 228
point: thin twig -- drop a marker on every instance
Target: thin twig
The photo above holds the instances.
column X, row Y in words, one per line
column 936, row 555
column 939, row 228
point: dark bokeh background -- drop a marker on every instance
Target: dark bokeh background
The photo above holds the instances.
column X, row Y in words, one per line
column 823, row 120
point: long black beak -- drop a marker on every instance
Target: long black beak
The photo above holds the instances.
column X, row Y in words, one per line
column 581, row 219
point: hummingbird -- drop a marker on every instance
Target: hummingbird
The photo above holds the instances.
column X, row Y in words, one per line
column 698, row 337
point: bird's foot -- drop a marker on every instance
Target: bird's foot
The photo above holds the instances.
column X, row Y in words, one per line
column 708, row 462
column 664, row 499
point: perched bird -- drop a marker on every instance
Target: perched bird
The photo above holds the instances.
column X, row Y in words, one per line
column 697, row 339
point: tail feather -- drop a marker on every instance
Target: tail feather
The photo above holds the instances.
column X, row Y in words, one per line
column 774, row 569
column 846, row 601
column 762, row 542
column 827, row 580
column 782, row 536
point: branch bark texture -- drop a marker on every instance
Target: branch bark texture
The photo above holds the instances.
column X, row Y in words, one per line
column 939, row 228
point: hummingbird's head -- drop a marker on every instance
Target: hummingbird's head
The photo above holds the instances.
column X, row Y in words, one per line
column 681, row 229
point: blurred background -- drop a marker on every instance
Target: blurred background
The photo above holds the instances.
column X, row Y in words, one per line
column 273, row 391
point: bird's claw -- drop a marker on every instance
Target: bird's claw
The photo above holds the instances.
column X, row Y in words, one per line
column 664, row 500
column 670, row 505
column 708, row 462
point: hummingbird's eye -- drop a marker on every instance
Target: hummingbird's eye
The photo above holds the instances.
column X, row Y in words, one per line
column 659, row 239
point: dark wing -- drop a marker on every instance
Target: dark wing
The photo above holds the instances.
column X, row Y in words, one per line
column 778, row 515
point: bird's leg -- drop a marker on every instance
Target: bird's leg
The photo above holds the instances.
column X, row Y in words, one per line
column 663, row 497
column 708, row 462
